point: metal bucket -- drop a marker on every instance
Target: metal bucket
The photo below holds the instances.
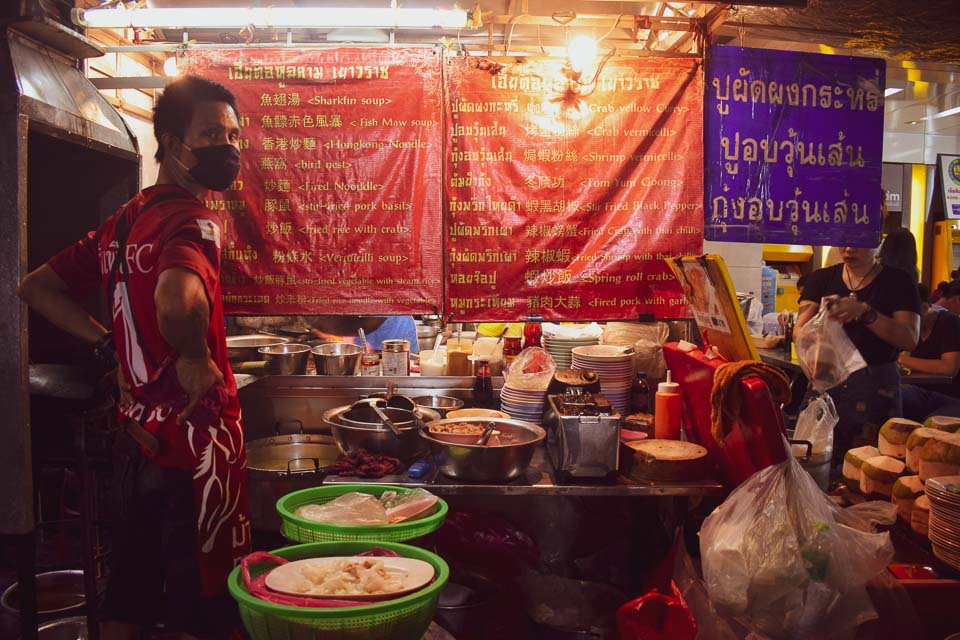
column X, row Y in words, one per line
column 817, row 465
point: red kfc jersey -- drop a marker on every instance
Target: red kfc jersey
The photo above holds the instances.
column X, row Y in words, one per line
column 176, row 231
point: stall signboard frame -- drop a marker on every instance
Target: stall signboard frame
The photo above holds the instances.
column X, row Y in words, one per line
column 949, row 169
column 337, row 206
column 567, row 189
column 793, row 147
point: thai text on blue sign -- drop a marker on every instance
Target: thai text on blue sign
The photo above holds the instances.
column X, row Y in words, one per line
column 793, row 146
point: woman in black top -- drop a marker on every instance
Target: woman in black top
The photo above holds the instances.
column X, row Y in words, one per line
column 937, row 352
column 880, row 310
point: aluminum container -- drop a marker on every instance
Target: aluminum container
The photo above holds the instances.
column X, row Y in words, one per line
column 246, row 348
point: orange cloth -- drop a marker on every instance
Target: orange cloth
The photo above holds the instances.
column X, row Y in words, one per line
column 726, row 399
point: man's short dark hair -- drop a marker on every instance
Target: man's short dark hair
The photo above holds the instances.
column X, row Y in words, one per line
column 952, row 290
column 174, row 108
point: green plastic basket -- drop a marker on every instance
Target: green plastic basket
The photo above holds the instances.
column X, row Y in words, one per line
column 404, row 618
column 300, row 529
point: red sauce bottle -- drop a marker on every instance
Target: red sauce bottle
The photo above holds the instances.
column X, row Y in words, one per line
column 532, row 331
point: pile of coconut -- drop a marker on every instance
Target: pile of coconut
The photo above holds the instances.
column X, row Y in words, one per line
column 906, row 455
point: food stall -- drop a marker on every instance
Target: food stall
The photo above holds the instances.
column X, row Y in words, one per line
column 463, row 175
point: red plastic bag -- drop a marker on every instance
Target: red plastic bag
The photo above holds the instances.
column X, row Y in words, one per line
column 656, row 616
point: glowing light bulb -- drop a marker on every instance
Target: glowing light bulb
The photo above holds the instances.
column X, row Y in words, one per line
column 170, row 67
column 581, row 51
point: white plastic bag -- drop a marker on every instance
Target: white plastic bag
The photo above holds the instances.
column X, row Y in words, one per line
column 815, row 425
column 825, row 352
column 777, row 558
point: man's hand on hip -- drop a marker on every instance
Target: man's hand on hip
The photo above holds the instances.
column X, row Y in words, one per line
column 196, row 376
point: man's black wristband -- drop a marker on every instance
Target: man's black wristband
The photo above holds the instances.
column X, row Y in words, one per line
column 105, row 350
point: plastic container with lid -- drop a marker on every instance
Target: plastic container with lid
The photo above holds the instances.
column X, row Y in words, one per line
column 668, row 410
column 532, row 331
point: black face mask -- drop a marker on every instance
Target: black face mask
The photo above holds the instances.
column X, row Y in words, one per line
column 217, row 166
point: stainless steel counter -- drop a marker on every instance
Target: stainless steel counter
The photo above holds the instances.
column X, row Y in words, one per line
column 291, row 401
column 540, row 480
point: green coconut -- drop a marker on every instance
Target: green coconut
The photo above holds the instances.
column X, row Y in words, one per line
column 942, row 423
column 858, row 456
column 882, row 469
column 908, row 488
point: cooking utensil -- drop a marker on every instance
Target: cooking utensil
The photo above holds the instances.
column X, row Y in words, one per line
column 286, row 359
column 442, row 404
column 395, row 400
column 487, row 464
column 363, row 340
column 352, row 433
column 485, row 436
column 414, row 574
column 384, row 418
column 281, row 464
column 337, row 358
column 246, row 348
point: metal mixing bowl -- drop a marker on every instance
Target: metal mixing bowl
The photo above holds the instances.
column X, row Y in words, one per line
column 246, row 348
column 442, row 404
column 487, row 464
column 286, row 359
column 351, row 435
column 337, row 358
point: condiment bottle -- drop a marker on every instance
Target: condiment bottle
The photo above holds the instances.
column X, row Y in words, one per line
column 640, row 394
column 788, row 336
column 669, row 407
column 532, row 331
column 370, row 364
column 483, row 385
column 511, row 348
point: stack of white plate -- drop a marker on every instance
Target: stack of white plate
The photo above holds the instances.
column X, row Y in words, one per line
column 944, row 533
column 560, row 348
column 615, row 369
column 522, row 404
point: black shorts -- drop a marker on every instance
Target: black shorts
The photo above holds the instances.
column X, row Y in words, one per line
column 154, row 569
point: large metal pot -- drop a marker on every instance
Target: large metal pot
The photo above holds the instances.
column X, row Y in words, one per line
column 286, row 359
column 74, row 628
column 475, row 463
column 246, row 348
column 281, row 464
column 351, row 434
column 58, row 593
column 337, row 358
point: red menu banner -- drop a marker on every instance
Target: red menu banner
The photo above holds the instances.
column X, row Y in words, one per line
column 337, row 206
column 564, row 195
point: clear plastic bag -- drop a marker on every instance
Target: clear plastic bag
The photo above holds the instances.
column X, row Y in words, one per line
column 815, row 425
column 348, row 509
column 825, row 352
column 532, row 370
column 777, row 557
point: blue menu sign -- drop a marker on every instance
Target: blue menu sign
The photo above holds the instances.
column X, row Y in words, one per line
column 793, row 147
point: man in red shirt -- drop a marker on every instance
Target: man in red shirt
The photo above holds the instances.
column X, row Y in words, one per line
column 180, row 468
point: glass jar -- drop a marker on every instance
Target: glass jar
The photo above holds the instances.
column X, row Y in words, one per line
column 370, row 364
column 396, row 358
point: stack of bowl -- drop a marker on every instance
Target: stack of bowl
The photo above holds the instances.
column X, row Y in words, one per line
column 560, row 348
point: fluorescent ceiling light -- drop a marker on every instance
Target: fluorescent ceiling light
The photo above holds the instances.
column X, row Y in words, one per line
column 944, row 114
column 892, row 91
column 280, row 17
